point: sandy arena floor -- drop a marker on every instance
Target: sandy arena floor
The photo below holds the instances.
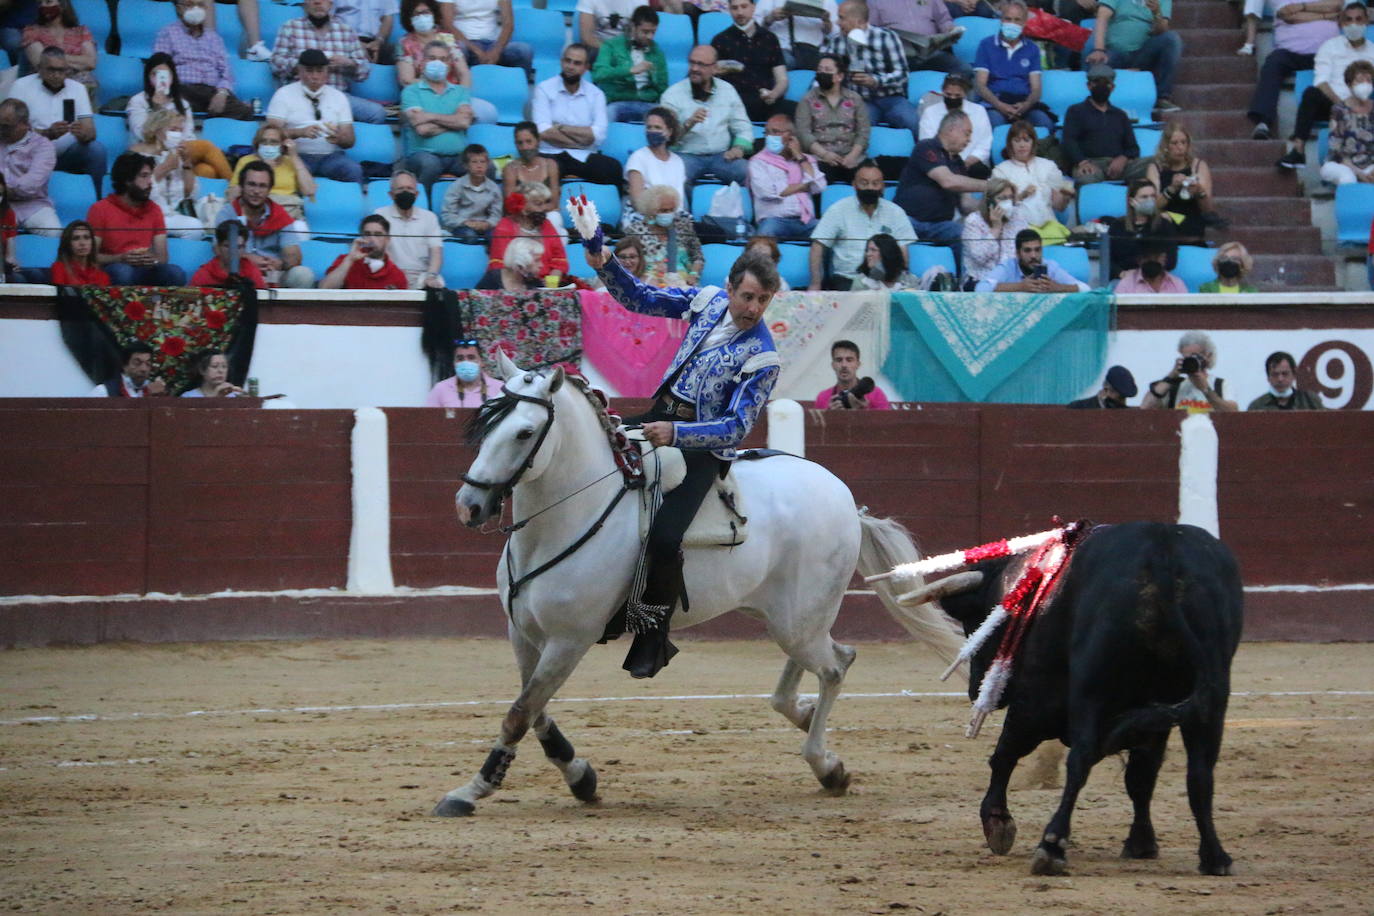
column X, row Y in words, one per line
column 297, row 777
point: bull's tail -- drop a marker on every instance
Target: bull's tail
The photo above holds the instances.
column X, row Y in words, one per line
column 887, row 544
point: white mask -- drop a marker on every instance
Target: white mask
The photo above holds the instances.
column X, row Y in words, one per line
column 1006, row 206
column 1362, row 90
column 194, row 16
column 1353, row 32
column 374, row 264
column 423, row 22
column 1281, row 394
column 174, row 139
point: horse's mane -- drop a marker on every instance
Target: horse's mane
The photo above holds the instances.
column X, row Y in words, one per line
column 493, row 410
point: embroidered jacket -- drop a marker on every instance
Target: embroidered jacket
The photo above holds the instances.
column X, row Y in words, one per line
column 729, row 384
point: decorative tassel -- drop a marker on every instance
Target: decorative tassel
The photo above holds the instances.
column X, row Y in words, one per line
column 989, row 694
column 976, row 639
column 947, row 561
column 587, row 222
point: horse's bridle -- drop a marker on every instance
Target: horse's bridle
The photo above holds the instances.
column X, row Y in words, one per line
column 504, row 489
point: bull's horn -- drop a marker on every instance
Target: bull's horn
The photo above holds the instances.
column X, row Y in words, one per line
column 942, row 588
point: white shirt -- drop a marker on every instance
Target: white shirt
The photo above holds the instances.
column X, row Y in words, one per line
column 479, row 20
column 411, row 239
column 846, row 228
column 365, row 16
column 673, row 173
column 138, row 109
column 979, row 146
column 291, row 105
column 554, row 104
column 129, row 389
column 603, row 10
column 1040, row 172
column 45, row 106
column 721, row 333
column 1333, row 57
column 806, row 30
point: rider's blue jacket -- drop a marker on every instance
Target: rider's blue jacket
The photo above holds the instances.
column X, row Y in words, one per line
column 728, row 384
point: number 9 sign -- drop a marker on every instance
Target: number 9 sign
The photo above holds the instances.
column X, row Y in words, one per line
column 1340, row 372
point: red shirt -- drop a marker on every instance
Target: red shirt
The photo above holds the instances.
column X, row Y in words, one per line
column 555, row 258
column 9, row 226
column 123, row 228
column 213, row 273
column 64, row 274
column 359, row 277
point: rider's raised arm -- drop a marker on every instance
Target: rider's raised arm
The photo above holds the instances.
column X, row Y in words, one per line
column 758, row 376
column 638, row 296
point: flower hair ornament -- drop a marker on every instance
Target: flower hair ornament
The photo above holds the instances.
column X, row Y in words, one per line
column 515, row 203
column 587, row 222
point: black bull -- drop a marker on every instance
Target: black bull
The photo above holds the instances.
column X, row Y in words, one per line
column 1138, row 639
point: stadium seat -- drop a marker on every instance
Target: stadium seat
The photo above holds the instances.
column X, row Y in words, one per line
column 799, row 83
column 1147, row 138
column 139, row 23
column 924, row 257
column 39, row 250
column 677, row 68
column 380, row 85
column 1195, row 265
column 563, row 6
column 113, row 133
column 1101, row 200
column 674, row 36
column 504, row 87
column 118, row 76
column 271, row 17
column 1073, row 259
column 545, row 31
column 498, row 139
column 577, row 262
column 318, row 255
column 889, row 141
column 464, row 264
column 216, row 186
column 227, row 132
column 1323, row 144
column 919, row 82
column 337, row 208
column 999, row 140
column 701, row 200
column 1354, row 209
column 189, row 254
column 1061, row 88
column 373, row 143
column 434, row 202
column 795, row 265
column 94, row 15
column 622, row 139
column 1135, row 94
column 1302, row 81
column 709, row 25
column 604, row 196
column 252, row 80
column 976, row 28
column 719, row 259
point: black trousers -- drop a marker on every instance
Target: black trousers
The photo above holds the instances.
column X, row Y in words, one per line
column 680, row 506
column 598, row 169
column 1314, row 107
column 1278, row 66
column 199, row 95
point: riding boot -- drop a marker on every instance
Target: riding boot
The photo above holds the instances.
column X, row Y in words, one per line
column 651, row 650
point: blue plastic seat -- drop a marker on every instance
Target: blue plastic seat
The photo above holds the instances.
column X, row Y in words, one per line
column 504, row 87
column 463, row 264
column 719, row 259
column 919, row 82
column 40, row 250
column 1354, row 210
column 253, row 80
column 1099, row 200
column 798, row 84
column 976, row 28
column 1195, row 264
column 675, row 36
column 118, row 76
column 498, row 139
column 373, row 143
column 337, row 208
column 677, row 68
column 380, row 85
column 71, row 194
column 709, row 25
column 139, row 23
column 545, row 31
column 318, row 254
column 924, row 257
column 999, row 140
column 622, row 139
column 1061, row 88
column 795, row 265
column 113, row 133
column 271, row 17
column 1302, row 81
column 890, row 141
column 1147, row 138
column 189, row 254
column 227, row 132
column 1073, row 259
column 604, row 196
column 216, row 186
column 94, row 15
column 1135, row 94
column 701, row 200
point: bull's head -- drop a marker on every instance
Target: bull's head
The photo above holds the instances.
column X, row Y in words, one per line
column 969, row 597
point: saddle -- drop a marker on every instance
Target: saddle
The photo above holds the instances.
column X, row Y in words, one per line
column 720, row 522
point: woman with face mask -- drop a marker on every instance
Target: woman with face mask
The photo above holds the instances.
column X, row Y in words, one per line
column 57, row 26
column 420, row 22
column 832, row 120
column 672, row 251
column 162, row 92
column 291, row 178
column 174, row 178
column 469, row 386
column 1350, row 150
column 990, row 231
column 1143, row 220
column 1233, row 265
column 655, row 163
column 1185, row 184
column 527, row 216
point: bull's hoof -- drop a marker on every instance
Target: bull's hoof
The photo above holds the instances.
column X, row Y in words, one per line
column 1140, row 845
column 1000, row 831
column 453, row 807
column 584, row 790
column 836, row 782
column 1219, row 865
column 1047, row 861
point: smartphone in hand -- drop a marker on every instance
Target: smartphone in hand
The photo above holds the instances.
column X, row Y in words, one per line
column 69, row 110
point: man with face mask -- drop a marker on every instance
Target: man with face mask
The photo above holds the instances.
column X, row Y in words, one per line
column 435, row 116
column 202, row 62
column 631, row 69
column 1328, row 80
column 318, row 117
column 570, row 114
column 761, row 78
column 417, row 243
column 977, row 155
column 716, row 133
column 469, row 386
column 1098, row 138
column 347, row 60
column 1006, row 72
column 1151, row 276
column 130, row 231
column 135, row 380
column 848, row 224
column 1283, row 393
column 783, row 180
column 1135, row 34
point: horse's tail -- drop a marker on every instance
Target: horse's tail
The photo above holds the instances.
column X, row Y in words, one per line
column 885, row 545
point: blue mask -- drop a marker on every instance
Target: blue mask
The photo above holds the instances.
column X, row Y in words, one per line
column 1011, row 31
column 655, row 137
column 436, row 71
column 773, row 144
column 665, row 219
column 466, row 371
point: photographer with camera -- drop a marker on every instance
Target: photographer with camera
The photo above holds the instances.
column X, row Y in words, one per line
column 1028, row 272
column 1188, row 385
column 850, row 392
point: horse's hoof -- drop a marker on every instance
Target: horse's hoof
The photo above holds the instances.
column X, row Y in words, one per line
column 584, row 790
column 836, row 782
column 1140, row 848
column 1221, row 866
column 453, row 807
column 1000, row 831
column 1045, row 862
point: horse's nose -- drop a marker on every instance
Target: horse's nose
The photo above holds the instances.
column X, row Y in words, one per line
column 469, row 510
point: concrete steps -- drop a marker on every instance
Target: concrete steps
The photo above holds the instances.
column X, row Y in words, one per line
column 1258, row 181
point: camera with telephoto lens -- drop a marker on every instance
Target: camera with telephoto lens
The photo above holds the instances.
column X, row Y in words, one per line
column 863, row 389
column 1191, row 365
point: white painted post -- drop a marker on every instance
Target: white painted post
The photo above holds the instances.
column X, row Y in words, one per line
column 369, row 548
column 1197, row 474
column 787, row 427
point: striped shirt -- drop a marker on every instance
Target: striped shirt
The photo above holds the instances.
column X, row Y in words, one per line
column 882, row 57
column 200, row 60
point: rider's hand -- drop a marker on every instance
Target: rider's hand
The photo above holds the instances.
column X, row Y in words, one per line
column 659, row 433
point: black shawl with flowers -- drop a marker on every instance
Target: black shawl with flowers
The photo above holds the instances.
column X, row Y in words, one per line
column 536, row 327
column 177, row 322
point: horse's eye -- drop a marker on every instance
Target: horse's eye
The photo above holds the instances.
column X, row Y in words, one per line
column 524, row 434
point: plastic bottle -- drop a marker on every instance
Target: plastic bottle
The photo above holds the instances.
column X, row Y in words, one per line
column 741, row 229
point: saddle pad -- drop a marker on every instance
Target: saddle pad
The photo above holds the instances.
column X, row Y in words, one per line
column 716, row 524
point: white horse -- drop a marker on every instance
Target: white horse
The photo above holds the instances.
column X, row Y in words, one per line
column 544, row 442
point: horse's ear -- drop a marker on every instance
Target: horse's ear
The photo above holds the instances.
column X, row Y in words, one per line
column 557, row 381
column 505, row 366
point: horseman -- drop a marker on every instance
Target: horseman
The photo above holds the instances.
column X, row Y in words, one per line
column 706, row 405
